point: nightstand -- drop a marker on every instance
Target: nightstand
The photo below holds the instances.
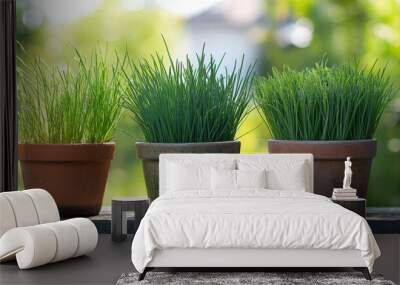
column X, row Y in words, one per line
column 119, row 209
column 357, row 205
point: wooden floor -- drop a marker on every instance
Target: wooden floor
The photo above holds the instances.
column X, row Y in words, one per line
column 110, row 259
column 103, row 266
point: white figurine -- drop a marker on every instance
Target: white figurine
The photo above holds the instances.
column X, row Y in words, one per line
column 347, row 174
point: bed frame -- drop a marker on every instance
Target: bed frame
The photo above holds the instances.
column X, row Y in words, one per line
column 242, row 259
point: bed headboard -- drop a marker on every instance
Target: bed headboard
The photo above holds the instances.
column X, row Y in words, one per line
column 274, row 160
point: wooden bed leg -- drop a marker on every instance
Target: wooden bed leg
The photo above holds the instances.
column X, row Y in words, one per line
column 365, row 272
column 143, row 274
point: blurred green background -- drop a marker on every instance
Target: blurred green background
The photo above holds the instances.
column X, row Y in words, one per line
column 273, row 33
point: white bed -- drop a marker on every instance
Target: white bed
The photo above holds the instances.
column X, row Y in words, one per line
column 248, row 227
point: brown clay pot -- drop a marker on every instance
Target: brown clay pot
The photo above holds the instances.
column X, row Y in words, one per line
column 74, row 174
column 329, row 157
column 150, row 152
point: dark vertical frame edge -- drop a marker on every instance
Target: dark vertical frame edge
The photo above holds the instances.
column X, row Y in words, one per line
column 8, row 97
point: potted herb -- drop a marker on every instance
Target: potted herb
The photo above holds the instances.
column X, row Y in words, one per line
column 331, row 112
column 66, row 122
column 186, row 108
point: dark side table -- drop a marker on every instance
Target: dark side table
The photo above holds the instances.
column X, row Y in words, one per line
column 119, row 208
column 357, row 205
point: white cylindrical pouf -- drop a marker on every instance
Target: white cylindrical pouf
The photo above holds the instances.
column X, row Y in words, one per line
column 41, row 244
column 87, row 234
column 45, row 205
column 26, row 208
column 7, row 218
column 30, row 230
column 23, row 208
column 67, row 240
column 33, row 246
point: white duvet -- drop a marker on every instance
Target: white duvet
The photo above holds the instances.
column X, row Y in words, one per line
column 250, row 219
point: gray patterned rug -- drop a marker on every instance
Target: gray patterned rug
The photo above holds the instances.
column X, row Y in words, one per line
column 243, row 278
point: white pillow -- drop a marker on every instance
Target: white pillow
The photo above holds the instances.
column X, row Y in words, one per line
column 281, row 174
column 293, row 180
column 181, row 177
column 226, row 179
column 223, row 179
column 251, row 179
column 187, row 174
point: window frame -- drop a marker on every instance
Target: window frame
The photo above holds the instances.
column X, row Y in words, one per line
column 8, row 98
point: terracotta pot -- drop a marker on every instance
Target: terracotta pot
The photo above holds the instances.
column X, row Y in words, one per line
column 329, row 157
column 150, row 152
column 74, row 174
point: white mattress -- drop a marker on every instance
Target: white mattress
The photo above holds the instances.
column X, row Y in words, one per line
column 252, row 219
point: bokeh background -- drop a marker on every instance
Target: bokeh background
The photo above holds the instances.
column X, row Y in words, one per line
column 273, row 33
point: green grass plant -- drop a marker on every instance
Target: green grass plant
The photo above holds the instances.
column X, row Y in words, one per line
column 60, row 105
column 182, row 102
column 342, row 102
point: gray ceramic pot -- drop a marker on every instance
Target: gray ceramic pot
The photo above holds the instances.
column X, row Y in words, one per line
column 150, row 152
column 329, row 157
